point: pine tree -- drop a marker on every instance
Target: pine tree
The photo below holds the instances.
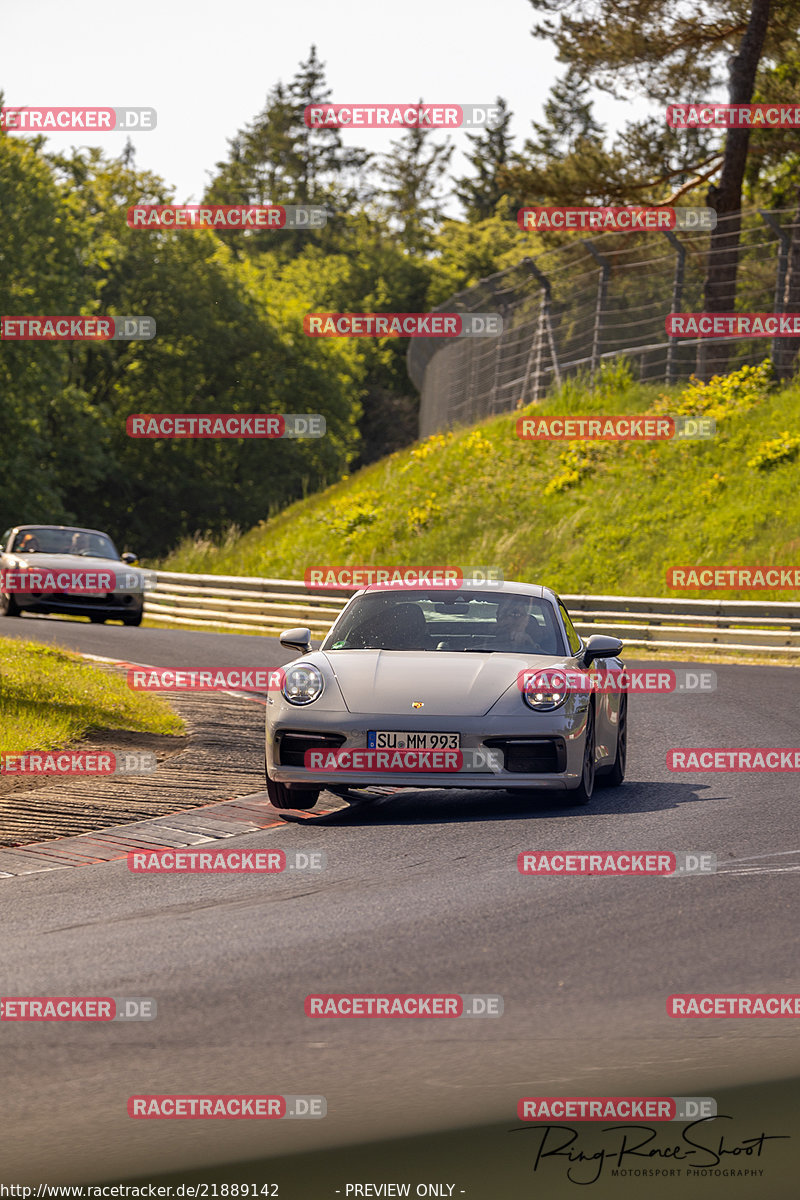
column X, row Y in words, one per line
column 412, row 172
column 481, row 192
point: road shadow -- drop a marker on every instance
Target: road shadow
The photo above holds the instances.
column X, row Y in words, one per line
column 425, row 806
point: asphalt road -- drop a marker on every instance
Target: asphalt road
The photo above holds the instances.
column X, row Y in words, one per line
column 420, row 893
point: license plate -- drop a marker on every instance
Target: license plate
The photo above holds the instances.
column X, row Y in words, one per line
column 393, row 739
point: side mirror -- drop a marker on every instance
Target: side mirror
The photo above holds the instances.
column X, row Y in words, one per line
column 129, row 558
column 600, row 645
column 297, row 639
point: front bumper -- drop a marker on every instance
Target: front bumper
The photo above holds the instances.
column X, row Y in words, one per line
column 112, row 606
column 542, row 751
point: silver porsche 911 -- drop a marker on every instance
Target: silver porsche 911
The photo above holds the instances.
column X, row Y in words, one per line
column 426, row 687
column 54, row 558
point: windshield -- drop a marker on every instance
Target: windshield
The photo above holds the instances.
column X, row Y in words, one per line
column 489, row 622
column 41, row 539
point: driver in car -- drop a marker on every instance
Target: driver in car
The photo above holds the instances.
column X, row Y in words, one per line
column 512, row 624
column 80, row 544
column 28, row 544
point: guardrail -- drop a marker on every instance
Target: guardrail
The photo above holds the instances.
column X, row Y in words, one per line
column 271, row 605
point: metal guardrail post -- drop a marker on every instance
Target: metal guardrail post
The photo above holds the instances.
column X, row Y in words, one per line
column 677, row 297
column 602, row 290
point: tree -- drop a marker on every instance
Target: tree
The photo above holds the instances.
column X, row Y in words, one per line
column 481, row 192
column 278, row 159
column 663, row 51
column 565, row 162
column 569, row 121
column 328, row 170
column 412, row 172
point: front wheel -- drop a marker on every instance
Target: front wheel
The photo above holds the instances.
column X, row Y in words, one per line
column 97, row 620
column 615, row 774
column 9, row 606
column 583, row 792
column 137, row 620
column 283, row 795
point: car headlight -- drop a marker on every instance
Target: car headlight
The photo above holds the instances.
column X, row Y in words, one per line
column 302, row 684
column 546, row 693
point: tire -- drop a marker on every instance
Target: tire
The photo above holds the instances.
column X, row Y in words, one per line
column 583, row 793
column 283, row 795
column 615, row 774
column 133, row 620
column 97, row 620
column 9, row 607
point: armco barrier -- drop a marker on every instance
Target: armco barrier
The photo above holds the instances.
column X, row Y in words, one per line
column 270, row 605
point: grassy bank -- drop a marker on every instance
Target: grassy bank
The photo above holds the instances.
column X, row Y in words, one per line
column 580, row 516
column 50, row 698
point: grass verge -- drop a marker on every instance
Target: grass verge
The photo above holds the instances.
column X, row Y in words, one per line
column 582, row 517
column 50, row 698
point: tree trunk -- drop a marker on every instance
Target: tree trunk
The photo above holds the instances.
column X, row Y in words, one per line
column 719, row 293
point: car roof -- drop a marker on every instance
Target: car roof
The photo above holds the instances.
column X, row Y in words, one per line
column 509, row 586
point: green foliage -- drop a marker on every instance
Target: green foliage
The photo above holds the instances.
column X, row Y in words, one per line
column 593, row 518
column 229, row 339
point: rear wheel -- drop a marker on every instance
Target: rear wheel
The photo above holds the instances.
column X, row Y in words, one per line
column 137, row 620
column 615, row 774
column 9, row 606
column 97, row 620
column 285, row 795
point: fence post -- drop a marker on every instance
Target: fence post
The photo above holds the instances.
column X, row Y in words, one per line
column 545, row 323
column 602, row 288
column 677, row 297
column 771, row 221
column 536, row 345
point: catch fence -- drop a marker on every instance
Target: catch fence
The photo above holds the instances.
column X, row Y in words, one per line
column 594, row 299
